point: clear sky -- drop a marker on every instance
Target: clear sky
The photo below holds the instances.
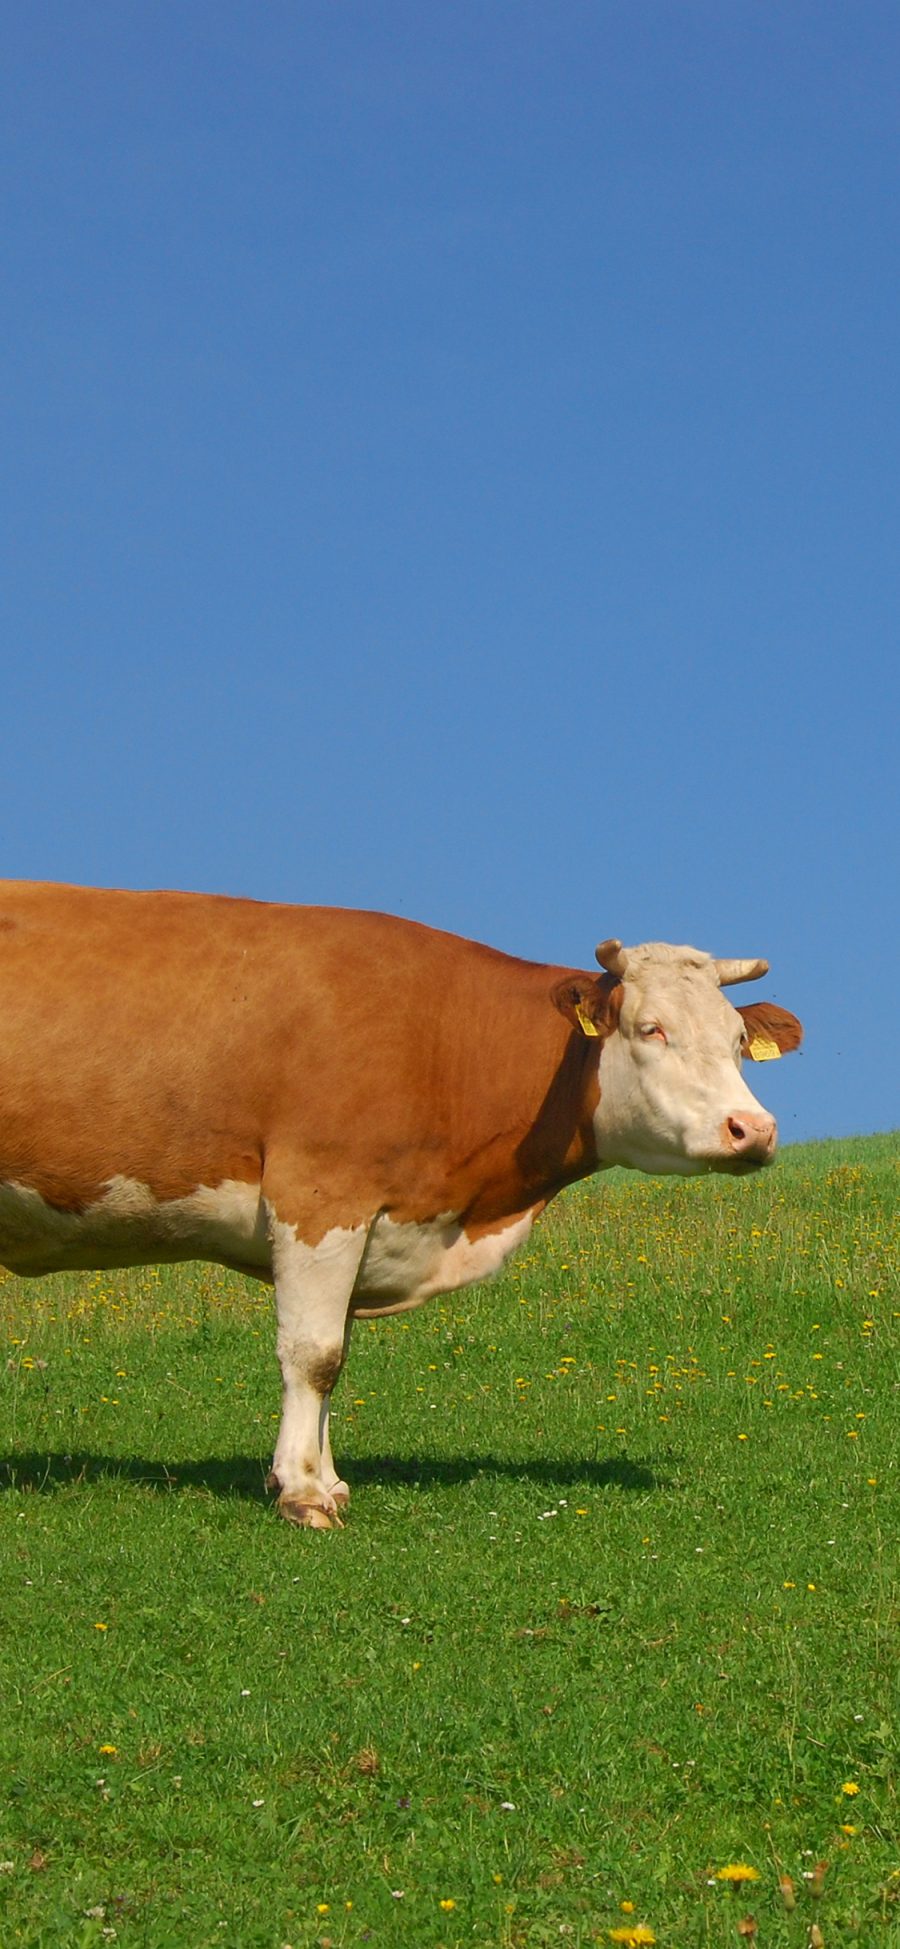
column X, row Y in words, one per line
column 451, row 466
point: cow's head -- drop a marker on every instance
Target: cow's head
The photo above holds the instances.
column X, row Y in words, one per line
column 672, row 1097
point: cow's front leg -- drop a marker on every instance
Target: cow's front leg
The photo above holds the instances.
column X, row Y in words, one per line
column 313, row 1285
column 338, row 1489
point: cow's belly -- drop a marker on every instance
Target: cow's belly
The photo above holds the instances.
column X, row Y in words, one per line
column 403, row 1265
column 128, row 1226
column 406, row 1264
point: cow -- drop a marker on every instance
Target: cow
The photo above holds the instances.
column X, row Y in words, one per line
column 359, row 1109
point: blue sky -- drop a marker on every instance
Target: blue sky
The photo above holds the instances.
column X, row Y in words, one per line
column 451, row 466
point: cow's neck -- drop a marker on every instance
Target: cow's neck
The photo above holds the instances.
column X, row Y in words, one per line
column 537, row 1120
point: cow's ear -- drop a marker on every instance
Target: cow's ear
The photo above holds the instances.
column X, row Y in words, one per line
column 769, row 1031
column 586, row 1001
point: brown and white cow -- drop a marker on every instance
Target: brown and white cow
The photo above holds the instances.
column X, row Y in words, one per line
column 361, row 1109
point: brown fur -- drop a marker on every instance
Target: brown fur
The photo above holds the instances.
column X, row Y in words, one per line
column 775, row 1024
column 348, row 1062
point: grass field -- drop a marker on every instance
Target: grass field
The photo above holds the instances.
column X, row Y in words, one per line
column 616, row 1607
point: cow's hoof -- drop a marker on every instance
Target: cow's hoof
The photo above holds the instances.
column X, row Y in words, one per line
column 340, row 1494
column 308, row 1515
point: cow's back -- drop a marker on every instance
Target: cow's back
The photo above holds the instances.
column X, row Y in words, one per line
column 163, row 1034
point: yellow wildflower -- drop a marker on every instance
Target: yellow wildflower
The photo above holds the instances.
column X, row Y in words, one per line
column 633, row 1935
column 850, row 1787
column 447, row 1904
column 736, row 1872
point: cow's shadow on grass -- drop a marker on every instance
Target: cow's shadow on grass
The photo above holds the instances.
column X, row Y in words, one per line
column 244, row 1476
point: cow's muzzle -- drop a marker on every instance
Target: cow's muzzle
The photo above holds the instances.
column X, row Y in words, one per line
column 750, row 1137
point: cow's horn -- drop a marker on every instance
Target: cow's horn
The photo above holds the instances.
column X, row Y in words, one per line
column 612, row 956
column 729, row 972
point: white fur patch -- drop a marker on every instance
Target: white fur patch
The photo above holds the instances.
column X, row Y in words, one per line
column 406, row 1264
column 128, row 1226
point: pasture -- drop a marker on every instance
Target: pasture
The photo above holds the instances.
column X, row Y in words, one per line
column 615, row 1610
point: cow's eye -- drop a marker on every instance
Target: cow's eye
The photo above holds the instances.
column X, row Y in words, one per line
column 648, row 1030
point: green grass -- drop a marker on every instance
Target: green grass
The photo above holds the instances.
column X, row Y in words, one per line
column 616, row 1603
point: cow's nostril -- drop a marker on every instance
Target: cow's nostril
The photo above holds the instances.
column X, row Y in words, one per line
column 751, row 1135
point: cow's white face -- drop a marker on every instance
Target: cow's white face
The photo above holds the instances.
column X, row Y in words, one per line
column 672, row 1097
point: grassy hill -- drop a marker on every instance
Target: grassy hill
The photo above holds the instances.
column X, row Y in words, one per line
column 615, row 1609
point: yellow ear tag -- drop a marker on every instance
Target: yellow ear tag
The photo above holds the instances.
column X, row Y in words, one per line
column 587, row 1026
column 762, row 1050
